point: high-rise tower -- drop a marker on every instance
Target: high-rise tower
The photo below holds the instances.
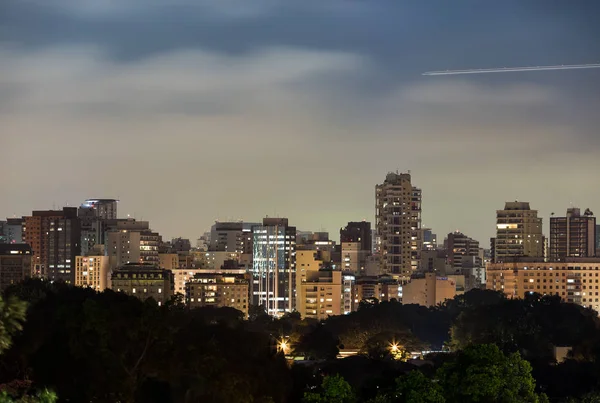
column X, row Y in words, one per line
column 274, row 266
column 398, row 224
column 573, row 235
column 518, row 232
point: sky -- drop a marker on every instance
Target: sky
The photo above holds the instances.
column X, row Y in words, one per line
column 191, row 111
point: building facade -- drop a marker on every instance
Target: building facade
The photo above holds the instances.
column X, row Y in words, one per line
column 54, row 236
column 574, row 280
column 219, row 290
column 358, row 232
column 233, row 237
column 274, row 266
column 573, row 235
column 92, row 272
column 398, row 224
column 321, row 295
column 143, row 282
column 462, row 251
column 93, row 214
column 429, row 290
column 15, row 264
column 518, row 232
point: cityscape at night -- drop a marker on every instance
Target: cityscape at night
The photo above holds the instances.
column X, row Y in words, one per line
column 272, row 201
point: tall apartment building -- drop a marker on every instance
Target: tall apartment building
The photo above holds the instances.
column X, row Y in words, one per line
column 398, row 223
column 573, row 235
column 93, row 214
column 54, row 236
column 518, row 232
column 15, row 264
column 143, row 281
column 274, row 266
column 234, row 237
column 462, row 251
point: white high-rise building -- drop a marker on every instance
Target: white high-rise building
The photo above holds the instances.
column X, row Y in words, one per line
column 274, row 266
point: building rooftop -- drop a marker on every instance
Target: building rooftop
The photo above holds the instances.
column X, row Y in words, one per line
column 15, row 249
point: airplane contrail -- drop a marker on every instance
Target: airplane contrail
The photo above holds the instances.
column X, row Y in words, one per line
column 512, row 69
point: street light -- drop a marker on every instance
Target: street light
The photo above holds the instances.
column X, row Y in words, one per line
column 283, row 346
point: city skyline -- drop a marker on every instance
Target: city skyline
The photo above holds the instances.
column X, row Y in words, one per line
column 239, row 118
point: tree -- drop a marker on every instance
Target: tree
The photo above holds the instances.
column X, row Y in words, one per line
column 482, row 373
column 334, row 389
column 12, row 316
column 415, row 387
column 318, row 344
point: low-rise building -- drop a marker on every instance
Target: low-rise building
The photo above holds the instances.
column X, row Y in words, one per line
column 574, row 280
column 428, row 290
column 380, row 288
column 15, row 264
column 218, row 290
column 321, row 294
column 143, row 281
column 92, row 272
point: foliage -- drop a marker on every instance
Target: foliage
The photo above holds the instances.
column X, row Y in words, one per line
column 417, row 388
column 12, row 316
column 334, row 389
column 482, row 373
column 531, row 326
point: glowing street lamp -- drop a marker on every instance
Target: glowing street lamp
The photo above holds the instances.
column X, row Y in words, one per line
column 284, row 346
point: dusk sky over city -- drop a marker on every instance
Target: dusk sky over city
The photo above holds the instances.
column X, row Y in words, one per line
column 217, row 110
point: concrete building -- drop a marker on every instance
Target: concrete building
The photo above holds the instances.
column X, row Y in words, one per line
column 597, row 240
column 233, row 237
column 274, row 266
column 398, row 224
column 358, row 232
column 354, row 259
column 11, row 230
column 168, row 261
column 54, row 236
column 434, row 261
column 428, row 290
column 459, row 248
column 133, row 246
column 93, row 272
column 429, row 239
column 93, row 213
column 348, row 284
column 575, row 280
column 214, row 260
column 381, row 288
column 218, row 290
column 143, row 281
column 518, row 232
column 573, row 235
column 15, row 264
column 321, row 294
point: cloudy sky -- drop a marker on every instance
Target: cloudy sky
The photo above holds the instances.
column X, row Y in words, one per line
column 190, row 111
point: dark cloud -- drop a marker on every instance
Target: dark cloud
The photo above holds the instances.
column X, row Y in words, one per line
column 237, row 108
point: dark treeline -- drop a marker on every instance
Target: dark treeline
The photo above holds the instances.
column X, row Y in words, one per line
column 107, row 347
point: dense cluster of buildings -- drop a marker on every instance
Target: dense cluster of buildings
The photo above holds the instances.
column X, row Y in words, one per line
column 270, row 263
